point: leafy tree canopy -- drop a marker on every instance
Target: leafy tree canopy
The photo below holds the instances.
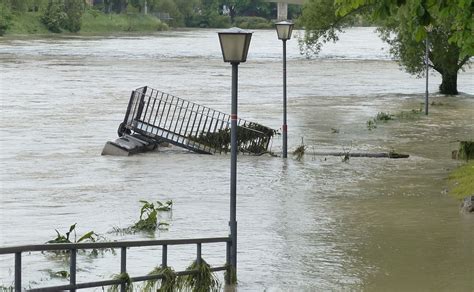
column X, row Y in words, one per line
column 405, row 25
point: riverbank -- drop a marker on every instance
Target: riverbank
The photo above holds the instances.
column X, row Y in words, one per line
column 93, row 22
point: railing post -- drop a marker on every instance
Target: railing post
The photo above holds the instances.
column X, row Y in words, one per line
column 18, row 272
column 199, row 254
column 72, row 271
column 164, row 257
column 123, row 265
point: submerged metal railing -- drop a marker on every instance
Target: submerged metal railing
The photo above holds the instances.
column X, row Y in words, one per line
column 72, row 248
column 164, row 117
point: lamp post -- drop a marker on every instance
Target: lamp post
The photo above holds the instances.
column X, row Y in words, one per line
column 235, row 44
column 284, row 30
column 427, row 60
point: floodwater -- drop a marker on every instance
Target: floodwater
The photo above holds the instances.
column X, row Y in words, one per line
column 319, row 224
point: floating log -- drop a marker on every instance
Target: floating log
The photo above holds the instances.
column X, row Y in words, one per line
column 392, row 155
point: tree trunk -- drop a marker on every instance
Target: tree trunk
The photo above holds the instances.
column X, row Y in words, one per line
column 449, row 85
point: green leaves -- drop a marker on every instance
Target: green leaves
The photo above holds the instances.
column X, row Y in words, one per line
column 149, row 216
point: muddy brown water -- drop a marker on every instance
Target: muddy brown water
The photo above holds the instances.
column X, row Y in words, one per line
column 313, row 225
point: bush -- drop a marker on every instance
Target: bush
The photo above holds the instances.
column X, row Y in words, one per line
column 247, row 22
column 74, row 11
column 54, row 16
column 5, row 18
column 212, row 19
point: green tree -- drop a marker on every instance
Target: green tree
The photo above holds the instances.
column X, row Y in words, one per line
column 74, row 10
column 5, row 18
column 403, row 24
column 169, row 6
column 188, row 9
column 54, row 16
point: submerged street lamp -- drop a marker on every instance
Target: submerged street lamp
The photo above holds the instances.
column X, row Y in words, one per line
column 235, row 44
column 284, row 30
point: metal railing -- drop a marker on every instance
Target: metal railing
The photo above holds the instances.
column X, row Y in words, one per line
column 72, row 248
column 164, row 117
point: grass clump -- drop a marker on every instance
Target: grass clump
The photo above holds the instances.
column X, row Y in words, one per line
column 382, row 116
column 202, row 281
column 462, row 181
column 230, row 275
column 7, row 288
column 124, row 278
column 413, row 114
column 466, row 150
column 169, row 282
column 385, row 117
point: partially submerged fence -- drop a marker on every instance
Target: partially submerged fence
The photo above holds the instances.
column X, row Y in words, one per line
column 164, row 117
column 72, row 249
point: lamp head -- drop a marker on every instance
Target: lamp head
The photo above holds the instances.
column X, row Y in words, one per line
column 284, row 29
column 235, row 43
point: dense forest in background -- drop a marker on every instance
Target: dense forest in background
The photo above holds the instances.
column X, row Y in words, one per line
column 129, row 15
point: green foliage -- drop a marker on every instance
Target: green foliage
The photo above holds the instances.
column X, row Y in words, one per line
column 5, row 18
column 169, row 282
column 6, row 289
column 409, row 115
column 65, row 238
column 63, row 274
column 385, row 117
column 125, row 278
column 252, row 22
column 230, row 275
column 251, row 138
column 149, row 216
column 462, row 181
column 382, row 116
column 404, row 26
column 90, row 236
column 54, row 16
column 466, row 150
column 98, row 22
column 202, row 281
column 74, row 10
column 371, row 124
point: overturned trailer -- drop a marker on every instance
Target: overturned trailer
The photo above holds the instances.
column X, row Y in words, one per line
column 155, row 117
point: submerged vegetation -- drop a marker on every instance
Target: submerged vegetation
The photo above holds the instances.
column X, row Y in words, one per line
column 466, row 150
column 65, row 238
column 168, row 282
column 299, row 152
column 149, row 216
column 462, row 181
column 125, row 278
column 383, row 117
column 202, row 281
column 251, row 138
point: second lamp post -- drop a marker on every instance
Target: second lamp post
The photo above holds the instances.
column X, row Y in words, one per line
column 284, row 30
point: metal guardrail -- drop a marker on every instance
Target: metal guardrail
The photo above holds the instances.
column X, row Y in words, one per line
column 164, row 117
column 123, row 245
